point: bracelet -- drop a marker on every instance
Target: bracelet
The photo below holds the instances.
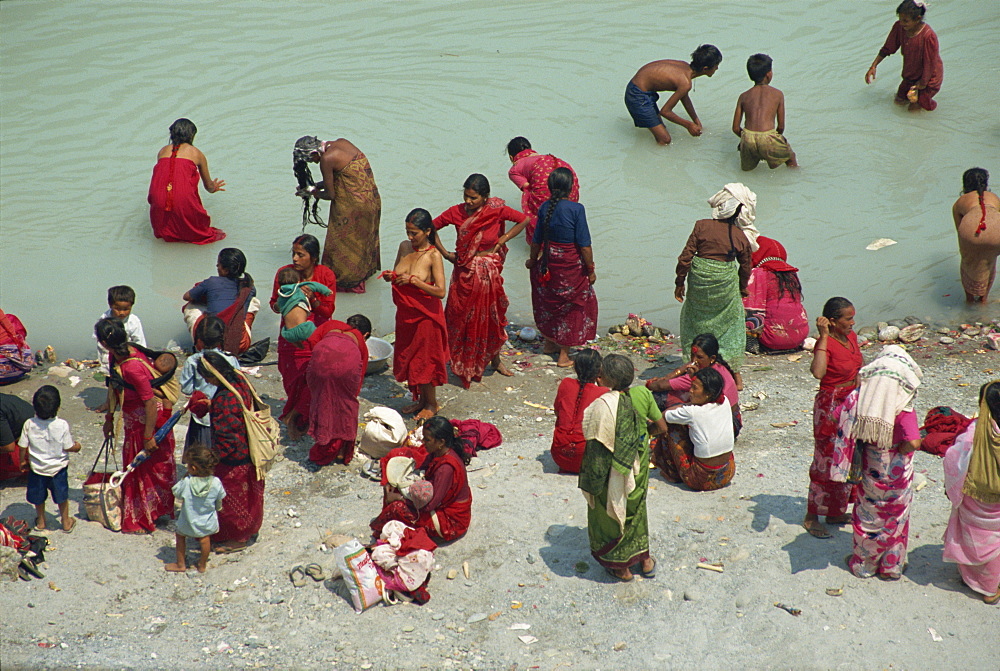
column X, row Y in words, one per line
column 590, row 268
column 820, row 349
column 148, row 437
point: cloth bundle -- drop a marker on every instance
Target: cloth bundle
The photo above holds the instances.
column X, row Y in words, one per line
column 404, row 557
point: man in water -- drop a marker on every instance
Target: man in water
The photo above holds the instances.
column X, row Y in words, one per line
column 667, row 75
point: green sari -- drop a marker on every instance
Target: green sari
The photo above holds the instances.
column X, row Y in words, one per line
column 714, row 305
column 615, row 479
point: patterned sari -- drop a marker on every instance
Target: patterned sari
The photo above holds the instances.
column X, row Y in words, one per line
column 537, row 191
column 564, row 304
column 351, row 249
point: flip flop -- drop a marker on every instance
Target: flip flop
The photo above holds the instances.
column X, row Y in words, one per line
column 298, row 576
column 618, row 577
column 816, row 530
column 315, row 571
column 31, row 568
column 72, row 525
column 650, row 574
column 992, row 599
column 23, row 574
column 228, row 549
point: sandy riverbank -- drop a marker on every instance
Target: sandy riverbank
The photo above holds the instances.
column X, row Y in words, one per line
column 106, row 600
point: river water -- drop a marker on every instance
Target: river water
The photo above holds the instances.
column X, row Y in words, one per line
column 431, row 92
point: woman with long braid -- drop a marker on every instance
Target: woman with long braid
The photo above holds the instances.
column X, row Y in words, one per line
column 175, row 208
column 562, row 271
column 977, row 220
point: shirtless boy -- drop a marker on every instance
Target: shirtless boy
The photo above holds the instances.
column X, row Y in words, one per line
column 641, row 93
column 762, row 104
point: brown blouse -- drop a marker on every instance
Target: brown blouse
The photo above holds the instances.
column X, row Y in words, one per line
column 713, row 239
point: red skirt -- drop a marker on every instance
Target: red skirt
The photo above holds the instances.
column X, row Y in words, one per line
column 476, row 315
column 147, row 492
column 565, row 306
column 243, row 507
column 420, row 353
column 334, row 377
column 177, row 215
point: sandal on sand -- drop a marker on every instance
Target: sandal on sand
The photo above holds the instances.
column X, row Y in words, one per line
column 838, row 520
column 31, row 569
column 298, row 576
column 315, row 571
column 614, row 575
column 816, row 529
column 651, row 573
column 991, row 600
column 72, row 525
column 228, row 549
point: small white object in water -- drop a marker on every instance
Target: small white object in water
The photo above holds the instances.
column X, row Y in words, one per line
column 528, row 334
column 879, row 244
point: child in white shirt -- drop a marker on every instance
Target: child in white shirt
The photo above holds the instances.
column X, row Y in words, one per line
column 48, row 442
column 120, row 301
column 699, row 452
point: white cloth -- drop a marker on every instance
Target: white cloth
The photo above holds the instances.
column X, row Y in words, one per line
column 47, row 441
column 888, row 385
column 725, row 202
column 384, row 430
column 711, row 427
column 133, row 331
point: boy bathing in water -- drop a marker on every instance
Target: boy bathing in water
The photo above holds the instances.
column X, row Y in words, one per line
column 667, row 75
column 762, row 104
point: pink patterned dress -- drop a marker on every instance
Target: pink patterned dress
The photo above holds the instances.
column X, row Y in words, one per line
column 530, row 173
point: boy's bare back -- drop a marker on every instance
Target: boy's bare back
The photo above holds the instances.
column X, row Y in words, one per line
column 763, row 107
column 665, row 75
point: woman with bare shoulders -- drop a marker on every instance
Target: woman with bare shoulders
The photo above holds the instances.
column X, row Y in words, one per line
column 175, row 208
column 977, row 220
column 421, row 353
column 351, row 249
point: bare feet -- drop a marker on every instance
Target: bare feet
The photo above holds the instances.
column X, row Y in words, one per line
column 294, row 432
column 792, row 163
column 229, row 548
column 621, row 574
column 549, row 347
column 427, row 413
column 501, row 367
column 564, row 361
column 69, row 525
column 202, row 565
column 176, row 568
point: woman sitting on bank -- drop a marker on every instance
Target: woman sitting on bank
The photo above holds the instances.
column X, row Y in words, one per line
column 775, row 317
column 449, row 511
column 242, row 510
column 972, row 481
column 674, row 389
column 704, row 459
column 175, row 209
column 230, row 295
column 572, row 398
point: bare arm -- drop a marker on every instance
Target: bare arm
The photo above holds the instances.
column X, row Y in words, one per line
column 738, row 117
column 780, row 127
column 149, row 442
column 506, row 237
column 870, row 75
column 818, row 366
column 587, row 254
column 680, row 95
column 956, row 213
column 76, row 447
column 211, row 185
column 444, row 252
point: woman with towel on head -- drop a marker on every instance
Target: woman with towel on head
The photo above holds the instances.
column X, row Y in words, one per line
column 880, row 420
column 716, row 265
column 972, row 481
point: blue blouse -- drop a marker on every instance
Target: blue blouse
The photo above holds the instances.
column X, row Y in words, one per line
column 568, row 224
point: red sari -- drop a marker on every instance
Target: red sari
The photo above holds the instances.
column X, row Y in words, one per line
column 334, row 377
column 530, row 173
column 826, row 496
column 476, row 312
column 292, row 360
column 449, row 512
column 568, row 443
column 420, row 353
column 147, row 492
column 175, row 208
column 242, row 510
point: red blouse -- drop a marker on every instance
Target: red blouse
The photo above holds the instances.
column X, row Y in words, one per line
column 842, row 362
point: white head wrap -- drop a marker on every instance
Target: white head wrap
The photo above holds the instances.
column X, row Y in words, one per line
column 725, row 202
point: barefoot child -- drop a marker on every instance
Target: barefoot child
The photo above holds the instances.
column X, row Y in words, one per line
column 923, row 70
column 200, row 494
column 760, row 140
column 667, row 75
column 48, row 442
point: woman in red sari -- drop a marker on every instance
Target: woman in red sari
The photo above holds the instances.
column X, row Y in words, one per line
column 476, row 312
column 175, row 208
column 573, row 397
column 836, row 362
column 147, row 492
column 243, row 508
column 337, row 362
column 448, row 513
column 292, row 360
column 562, row 272
column 420, row 353
column 530, row 173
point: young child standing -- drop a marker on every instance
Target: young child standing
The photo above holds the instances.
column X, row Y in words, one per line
column 641, row 93
column 48, row 442
column 763, row 105
column 923, row 70
column 120, row 301
column 200, row 494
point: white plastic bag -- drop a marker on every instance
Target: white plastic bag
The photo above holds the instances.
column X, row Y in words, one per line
column 384, row 431
column 360, row 575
